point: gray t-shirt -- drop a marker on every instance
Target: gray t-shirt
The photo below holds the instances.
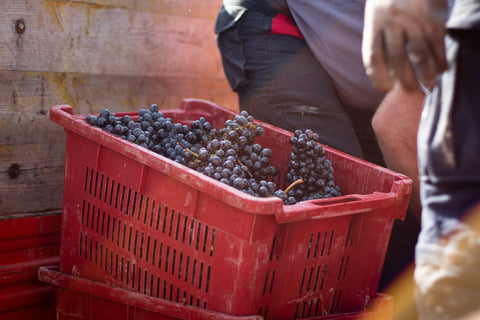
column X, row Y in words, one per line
column 333, row 30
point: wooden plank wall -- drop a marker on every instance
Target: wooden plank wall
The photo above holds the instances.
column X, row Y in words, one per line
column 93, row 54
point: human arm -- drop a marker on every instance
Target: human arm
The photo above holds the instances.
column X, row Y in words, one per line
column 403, row 41
column 395, row 124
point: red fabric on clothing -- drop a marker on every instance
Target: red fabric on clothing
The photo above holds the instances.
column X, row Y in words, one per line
column 282, row 24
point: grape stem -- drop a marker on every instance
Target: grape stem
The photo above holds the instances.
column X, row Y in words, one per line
column 195, row 154
column 293, row 185
column 238, row 160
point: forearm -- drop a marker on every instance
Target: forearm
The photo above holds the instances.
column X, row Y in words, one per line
column 396, row 125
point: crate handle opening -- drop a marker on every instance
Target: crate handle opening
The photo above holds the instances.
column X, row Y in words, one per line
column 343, row 205
column 336, row 200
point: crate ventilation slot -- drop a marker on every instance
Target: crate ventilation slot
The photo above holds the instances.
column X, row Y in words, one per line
column 313, row 279
column 175, row 263
column 320, row 244
column 111, row 216
column 315, row 308
column 155, row 215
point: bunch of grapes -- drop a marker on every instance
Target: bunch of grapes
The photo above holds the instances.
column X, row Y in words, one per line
column 229, row 155
column 310, row 175
column 153, row 131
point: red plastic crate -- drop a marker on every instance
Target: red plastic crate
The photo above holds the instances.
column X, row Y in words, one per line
column 27, row 241
column 139, row 221
column 79, row 299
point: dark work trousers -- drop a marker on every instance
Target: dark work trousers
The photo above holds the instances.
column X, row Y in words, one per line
column 279, row 81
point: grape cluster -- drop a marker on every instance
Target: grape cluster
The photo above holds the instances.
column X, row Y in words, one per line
column 233, row 157
column 229, row 155
column 310, row 175
column 152, row 130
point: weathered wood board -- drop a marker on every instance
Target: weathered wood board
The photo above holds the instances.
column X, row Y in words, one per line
column 120, row 54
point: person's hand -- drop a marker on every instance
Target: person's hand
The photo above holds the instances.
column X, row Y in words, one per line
column 403, row 40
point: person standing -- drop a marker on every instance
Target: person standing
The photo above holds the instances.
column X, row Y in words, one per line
column 297, row 64
column 434, row 45
column 279, row 79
